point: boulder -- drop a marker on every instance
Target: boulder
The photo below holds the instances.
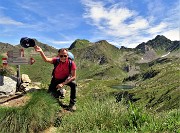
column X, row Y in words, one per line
column 25, row 81
column 8, row 87
column 25, row 78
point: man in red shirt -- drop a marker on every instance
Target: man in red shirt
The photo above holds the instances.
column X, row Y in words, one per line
column 61, row 75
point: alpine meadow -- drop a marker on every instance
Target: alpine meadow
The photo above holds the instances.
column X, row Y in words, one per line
column 119, row 90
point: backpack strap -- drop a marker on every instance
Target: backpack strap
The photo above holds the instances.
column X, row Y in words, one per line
column 70, row 65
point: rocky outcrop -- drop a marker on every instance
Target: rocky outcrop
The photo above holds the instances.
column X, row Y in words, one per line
column 8, row 87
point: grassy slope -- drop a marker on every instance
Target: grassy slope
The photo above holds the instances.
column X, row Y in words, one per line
column 40, row 71
column 38, row 114
column 88, row 61
column 98, row 112
column 97, row 109
column 161, row 91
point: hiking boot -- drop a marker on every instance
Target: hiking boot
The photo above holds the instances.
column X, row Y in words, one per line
column 72, row 107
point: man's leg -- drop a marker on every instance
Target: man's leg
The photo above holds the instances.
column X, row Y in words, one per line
column 53, row 90
column 72, row 93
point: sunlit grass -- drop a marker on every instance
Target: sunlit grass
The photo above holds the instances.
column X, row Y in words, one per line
column 37, row 114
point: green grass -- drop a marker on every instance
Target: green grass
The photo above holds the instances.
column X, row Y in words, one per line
column 1, row 59
column 40, row 71
column 97, row 109
column 36, row 115
column 99, row 112
column 158, row 85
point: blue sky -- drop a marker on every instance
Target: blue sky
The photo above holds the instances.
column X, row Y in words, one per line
column 60, row 22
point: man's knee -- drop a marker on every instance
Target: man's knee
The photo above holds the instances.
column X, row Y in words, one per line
column 72, row 84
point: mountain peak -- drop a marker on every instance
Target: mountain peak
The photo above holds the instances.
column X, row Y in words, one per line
column 160, row 37
column 101, row 41
column 160, row 42
column 79, row 43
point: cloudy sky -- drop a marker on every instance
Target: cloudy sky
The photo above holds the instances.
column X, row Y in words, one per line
column 60, row 22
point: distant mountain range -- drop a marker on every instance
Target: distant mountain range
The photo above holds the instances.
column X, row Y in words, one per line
column 152, row 67
column 147, row 51
column 4, row 47
column 102, row 52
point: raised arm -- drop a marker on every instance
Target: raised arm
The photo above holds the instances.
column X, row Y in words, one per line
column 46, row 59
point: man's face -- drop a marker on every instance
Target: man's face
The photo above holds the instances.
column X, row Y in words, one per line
column 63, row 55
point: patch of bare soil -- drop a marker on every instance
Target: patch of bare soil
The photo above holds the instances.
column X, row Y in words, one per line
column 18, row 99
column 14, row 100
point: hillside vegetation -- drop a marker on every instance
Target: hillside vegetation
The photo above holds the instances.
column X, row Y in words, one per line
column 151, row 106
column 158, row 85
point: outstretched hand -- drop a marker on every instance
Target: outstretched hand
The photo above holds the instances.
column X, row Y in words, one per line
column 37, row 48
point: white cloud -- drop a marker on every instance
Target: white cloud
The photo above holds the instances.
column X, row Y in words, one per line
column 132, row 42
column 139, row 23
column 120, row 22
column 116, row 16
column 62, row 42
column 110, row 20
column 106, row 17
column 115, row 21
column 173, row 34
column 9, row 21
column 126, row 26
column 158, row 28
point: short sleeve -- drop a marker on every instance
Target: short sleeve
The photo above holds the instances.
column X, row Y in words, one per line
column 73, row 66
column 54, row 59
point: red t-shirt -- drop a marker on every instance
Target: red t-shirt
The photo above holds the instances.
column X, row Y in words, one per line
column 62, row 70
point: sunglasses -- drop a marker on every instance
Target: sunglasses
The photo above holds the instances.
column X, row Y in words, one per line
column 63, row 56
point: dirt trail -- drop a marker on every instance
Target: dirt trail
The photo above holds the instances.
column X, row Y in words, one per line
column 14, row 100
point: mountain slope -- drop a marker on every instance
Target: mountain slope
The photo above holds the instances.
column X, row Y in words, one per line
column 4, row 47
column 158, row 85
column 98, row 60
column 79, row 44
